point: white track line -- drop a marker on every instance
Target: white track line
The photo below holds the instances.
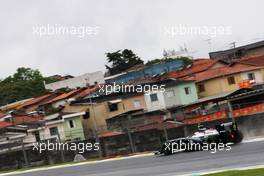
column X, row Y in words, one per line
column 76, row 164
column 217, row 171
column 253, row 140
column 114, row 159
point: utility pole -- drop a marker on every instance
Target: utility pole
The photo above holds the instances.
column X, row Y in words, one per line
column 209, row 42
column 168, row 116
column 61, row 151
column 97, row 139
column 230, row 112
column 165, row 131
column 129, row 135
column 24, row 153
column 185, row 130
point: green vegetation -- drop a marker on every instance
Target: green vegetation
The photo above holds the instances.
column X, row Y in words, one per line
column 71, row 163
column 185, row 60
column 25, row 83
column 28, row 83
column 121, row 60
column 250, row 172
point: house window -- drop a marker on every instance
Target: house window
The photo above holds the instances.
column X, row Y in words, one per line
column 201, row 88
column 187, row 90
column 53, row 131
column 170, row 93
column 231, row 80
column 86, row 115
column 113, row 106
column 136, row 103
column 153, row 97
column 71, row 124
column 251, row 76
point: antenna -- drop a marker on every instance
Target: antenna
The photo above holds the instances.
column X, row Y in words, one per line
column 165, row 53
column 209, row 42
column 185, row 49
column 232, row 44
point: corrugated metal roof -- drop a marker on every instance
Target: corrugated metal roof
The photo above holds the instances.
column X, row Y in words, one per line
column 198, row 65
column 258, row 91
column 222, row 95
column 216, row 54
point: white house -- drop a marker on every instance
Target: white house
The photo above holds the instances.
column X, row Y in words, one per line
column 79, row 81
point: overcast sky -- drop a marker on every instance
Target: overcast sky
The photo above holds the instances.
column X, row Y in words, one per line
column 141, row 25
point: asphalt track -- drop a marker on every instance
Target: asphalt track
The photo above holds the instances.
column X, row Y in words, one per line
column 242, row 155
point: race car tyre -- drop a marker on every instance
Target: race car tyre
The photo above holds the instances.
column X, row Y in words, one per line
column 238, row 137
column 167, row 152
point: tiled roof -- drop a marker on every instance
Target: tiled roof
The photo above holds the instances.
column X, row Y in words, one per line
column 34, row 101
column 86, row 92
column 13, row 105
column 25, row 119
column 255, row 60
column 223, row 71
column 4, row 124
column 2, row 114
column 198, row 65
column 64, row 96
column 110, row 134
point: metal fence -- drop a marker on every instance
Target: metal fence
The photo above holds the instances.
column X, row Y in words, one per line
column 125, row 137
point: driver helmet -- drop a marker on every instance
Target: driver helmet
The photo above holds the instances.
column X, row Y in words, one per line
column 201, row 127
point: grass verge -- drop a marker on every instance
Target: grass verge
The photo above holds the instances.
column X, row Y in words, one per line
column 250, row 172
column 45, row 166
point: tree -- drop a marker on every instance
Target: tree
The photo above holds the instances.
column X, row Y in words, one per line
column 186, row 60
column 25, row 83
column 121, row 60
column 26, row 74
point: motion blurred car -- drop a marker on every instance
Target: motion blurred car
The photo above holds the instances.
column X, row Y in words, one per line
column 223, row 133
column 229, row 132
column 180, row 145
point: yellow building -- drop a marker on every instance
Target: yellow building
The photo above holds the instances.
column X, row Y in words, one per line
column 228, row 78
column 103, row 108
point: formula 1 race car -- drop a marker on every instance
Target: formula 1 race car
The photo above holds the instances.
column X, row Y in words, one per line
column 223, row 133
column 176, row 145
